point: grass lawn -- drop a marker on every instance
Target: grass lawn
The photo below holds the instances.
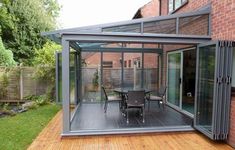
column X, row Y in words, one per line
column 19, row 131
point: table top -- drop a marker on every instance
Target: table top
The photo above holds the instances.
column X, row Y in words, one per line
column 125, row 90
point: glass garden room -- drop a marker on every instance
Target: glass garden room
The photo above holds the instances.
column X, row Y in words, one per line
column 141, row 53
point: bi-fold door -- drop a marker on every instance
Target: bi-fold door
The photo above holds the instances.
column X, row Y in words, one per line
column 213, row 88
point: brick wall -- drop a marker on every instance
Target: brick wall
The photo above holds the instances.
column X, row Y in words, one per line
column 150, row 9
column 223, row 16
column 231, row 139
column 222, row 28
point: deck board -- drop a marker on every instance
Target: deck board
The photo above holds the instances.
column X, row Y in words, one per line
column 50, row 139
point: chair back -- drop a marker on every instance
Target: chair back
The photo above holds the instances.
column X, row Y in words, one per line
column 162, row 91
column 105, row 94
column 136, row 98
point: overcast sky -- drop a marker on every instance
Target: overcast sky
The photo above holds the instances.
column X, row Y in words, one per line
column 77, row 13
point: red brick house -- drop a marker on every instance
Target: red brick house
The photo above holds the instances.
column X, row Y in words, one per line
column 186, row 45
column 222, row 28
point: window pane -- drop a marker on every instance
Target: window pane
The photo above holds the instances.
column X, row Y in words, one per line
column 170, row 6
column 195, row 25
column 123, row 28
column 91, row 76
column 132, row 74
column 151, row 71
column 205, row 89
column 163, row 26
column 177, row 4
column 112, row 75
column 174, row 73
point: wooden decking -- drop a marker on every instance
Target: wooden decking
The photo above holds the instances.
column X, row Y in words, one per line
column 50, row 139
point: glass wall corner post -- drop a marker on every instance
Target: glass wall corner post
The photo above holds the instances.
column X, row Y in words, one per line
column 66, row 86
column 79, row 73
column 57, row 76
column 76, row 77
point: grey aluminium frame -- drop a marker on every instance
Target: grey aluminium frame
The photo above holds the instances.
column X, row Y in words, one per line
column 66, row 95
column 66, row 87
column 98, row 28
column 221, row 92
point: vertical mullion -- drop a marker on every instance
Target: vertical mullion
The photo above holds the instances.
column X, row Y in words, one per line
column 122, row 70
column 79, row 77
column 181, row 78
column 196, row 89
column 215, row 92
column 177, row 25
column 76, row 79
column 142, row 70
column 101, row 73
column 66, row 86
column 57, row 76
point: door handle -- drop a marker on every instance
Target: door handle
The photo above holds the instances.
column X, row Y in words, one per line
column 180, row 80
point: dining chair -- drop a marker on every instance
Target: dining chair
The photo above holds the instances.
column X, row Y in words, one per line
column 109, row 99
column 135, row 99
column 159, row 97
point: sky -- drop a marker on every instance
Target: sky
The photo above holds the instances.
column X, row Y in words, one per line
column 77, row 13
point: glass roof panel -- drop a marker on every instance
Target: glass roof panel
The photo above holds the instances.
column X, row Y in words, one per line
column 194, row 25
column 133, row 28
column 161, row 26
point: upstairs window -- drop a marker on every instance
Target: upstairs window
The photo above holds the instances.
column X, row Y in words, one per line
column 175, row 4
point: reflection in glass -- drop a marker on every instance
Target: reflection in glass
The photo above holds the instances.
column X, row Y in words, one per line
column 72, row 77
column 188, row 85
column 151, row 71
column 194, row 25
column 112, row 71
column 91, row 77
column 161, row 26
column 205, row 89
column 174, row 71
column 132, row 71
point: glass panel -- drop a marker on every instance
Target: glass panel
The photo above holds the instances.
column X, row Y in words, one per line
column 123, row 28
column 59, row 77
column 174, row 71
column 195, row 25
column 91, row 74
column 132, row 70
column 177, row 3
column 112, row 71
column 151, row 71
column 72, row 76
column 189, row 78
column 205, row 91
column 163, row 26
column 170, row 6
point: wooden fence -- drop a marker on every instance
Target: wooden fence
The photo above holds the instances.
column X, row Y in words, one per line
column 19, row 82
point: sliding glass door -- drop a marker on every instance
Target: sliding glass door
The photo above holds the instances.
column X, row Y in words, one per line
column 174, row 78
column 181, row 75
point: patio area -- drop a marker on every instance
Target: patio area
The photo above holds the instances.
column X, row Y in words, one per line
column 50, row 138
column 91, row 117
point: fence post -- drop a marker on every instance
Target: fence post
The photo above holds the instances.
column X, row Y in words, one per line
column 21, row 84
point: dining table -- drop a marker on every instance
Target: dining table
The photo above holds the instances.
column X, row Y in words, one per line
column 123, row 92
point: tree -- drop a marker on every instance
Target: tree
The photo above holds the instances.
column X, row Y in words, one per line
column 6, row 56
column 45, row 61
column 22, row 22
